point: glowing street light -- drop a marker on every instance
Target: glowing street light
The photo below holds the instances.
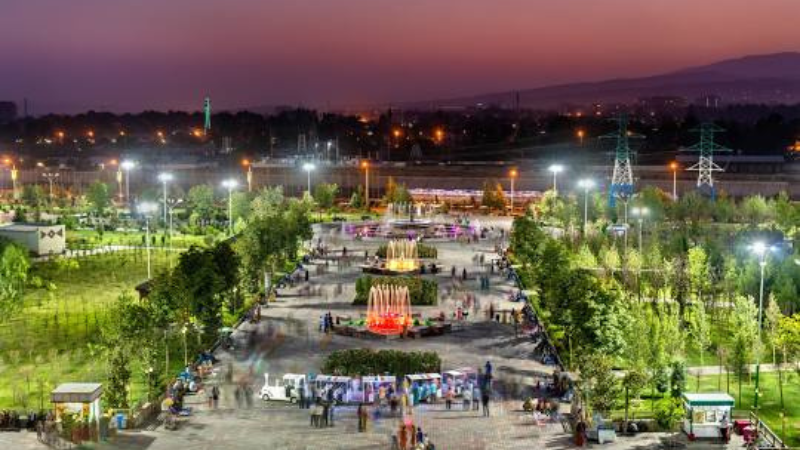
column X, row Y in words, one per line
column 586, row 184
column 365, row 166
column 581, row 134
column 674, row 167
column 760, row 249
column 309, row 167
column 165, row 178
column 230, row 184
column 512, row 175
column 147, row 208
column 127, row 165
column 556, row 169
column 640, row 213
column 249, row 165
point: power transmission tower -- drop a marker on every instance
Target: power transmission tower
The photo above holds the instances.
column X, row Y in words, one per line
column 706, row 166
column 622, row 178
column 207, row 113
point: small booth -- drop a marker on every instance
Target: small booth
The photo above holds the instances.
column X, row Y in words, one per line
column 705, row 413
column 343, row 387
column 371, row 386
column 425, row 387
column 82, row 399
column 459, row 378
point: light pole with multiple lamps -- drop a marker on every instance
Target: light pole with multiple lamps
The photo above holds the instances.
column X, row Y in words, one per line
column 230, row 184
column 308, row 168
column 761, row 250
column 586, row 184
column 640, row 213
column 556, row 169
column 146, row 209
column 51, row 178
column 127, row 165
column 165, row 178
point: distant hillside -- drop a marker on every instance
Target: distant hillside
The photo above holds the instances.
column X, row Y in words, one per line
column 768, row 79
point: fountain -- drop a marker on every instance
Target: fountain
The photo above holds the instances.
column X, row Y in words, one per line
column 402, row 256
column 388, row 310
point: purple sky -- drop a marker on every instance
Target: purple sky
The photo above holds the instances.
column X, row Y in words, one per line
column 120, row 55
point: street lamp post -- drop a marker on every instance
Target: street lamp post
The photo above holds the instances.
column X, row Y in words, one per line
column 230, row 185
column 146, row 209
column 556, row 169
column 51, row 177
column 365, row 165
column 761, row 250
column 674, row 167
column 586, row 184
column 512, row 175
column 165, row 178
column 309, row 167
column 249, row 174
column 640, row 213
column 127, row 166
column 185, row 349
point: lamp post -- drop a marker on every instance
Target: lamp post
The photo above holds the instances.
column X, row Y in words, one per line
column 309, row 167
column 365, row 166
column 640, row 213
column 512, row 175
column 165, row 178
column 185, row 349
column 761, row 250
column 249, row 174
column 586, row 184
column 674, row 167
column 556, row 169
column 146, row 209
column 127, row 166
column 51, row 177
column 581, row 134
column 230, row 184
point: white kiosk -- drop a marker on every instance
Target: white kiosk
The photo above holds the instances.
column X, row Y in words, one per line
column 705, row 412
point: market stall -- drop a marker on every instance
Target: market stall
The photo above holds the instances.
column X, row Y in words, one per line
column 82, row 399
column 707, row 414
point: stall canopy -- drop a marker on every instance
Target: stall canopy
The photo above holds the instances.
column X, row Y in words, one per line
column 709, row 399
column 423, row 376
column 76, row 393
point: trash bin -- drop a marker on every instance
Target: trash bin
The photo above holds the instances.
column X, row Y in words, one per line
column 122, row 421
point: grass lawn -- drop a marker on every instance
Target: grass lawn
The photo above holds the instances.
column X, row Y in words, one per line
column 770, row 400
column 87, row 239
column 53, row 338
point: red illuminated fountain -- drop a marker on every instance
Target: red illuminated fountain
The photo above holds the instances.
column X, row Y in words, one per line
column 388, row 310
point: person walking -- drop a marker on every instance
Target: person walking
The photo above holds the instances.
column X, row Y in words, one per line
column 485, row 401
column 466, row 395
column 215, row 396
column 361, row 418
column 448, row 398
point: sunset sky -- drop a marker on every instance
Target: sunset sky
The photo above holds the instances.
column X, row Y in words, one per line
column 129, row 55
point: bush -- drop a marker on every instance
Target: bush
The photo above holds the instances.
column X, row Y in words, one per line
column 356, row 362
column 424, row 251
column 669, row 412
column 422, row 292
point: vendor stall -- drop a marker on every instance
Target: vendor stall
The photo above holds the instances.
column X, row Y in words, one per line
column 342, row 387
column 82, row 399
column 708, row 415
column 372, row 385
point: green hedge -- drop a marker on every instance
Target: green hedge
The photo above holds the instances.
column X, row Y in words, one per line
column 423, row 251
column 356, row 362
column 422, row 292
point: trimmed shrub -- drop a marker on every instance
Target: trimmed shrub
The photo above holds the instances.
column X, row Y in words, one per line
column 422, row 292
column 356, row 362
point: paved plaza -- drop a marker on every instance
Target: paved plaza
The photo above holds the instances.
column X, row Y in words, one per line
column 288, row 339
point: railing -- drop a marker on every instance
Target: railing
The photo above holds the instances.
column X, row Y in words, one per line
column 764, row 435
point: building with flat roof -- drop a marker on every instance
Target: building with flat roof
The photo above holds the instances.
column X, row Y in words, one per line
column 41, row 240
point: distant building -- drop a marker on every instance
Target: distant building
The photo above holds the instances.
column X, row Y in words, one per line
column 40, row 240
column 8, row 112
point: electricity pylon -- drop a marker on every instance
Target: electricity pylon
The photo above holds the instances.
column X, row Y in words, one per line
column 706, row 166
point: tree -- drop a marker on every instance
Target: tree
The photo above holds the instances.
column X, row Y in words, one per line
column 699, row 330
column 227, row 264
column 357, row 199
column 201, row 202
column 14, row 266
column 755, row 210
column 599, row 385
column 789, row 336
column 240, row 206
column 99, row 197
column 199, row 278
column 633, row 382
column 744, row 324
column 396, row 193
column 325, row 194
column 699, row 272
column 33, row 196
column 493, row 196
column 677, row 379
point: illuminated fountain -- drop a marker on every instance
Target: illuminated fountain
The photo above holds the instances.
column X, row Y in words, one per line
column 388, row 310
column 402, row 256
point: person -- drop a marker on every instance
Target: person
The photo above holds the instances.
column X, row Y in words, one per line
column 362, row 419
column 467, row 397
column 488, row 371
column 316, row 414
column 215, row 396
column 464, row 274
column 485, row 401
column 420, row 436
column 580, row 434
column 402, row 434
column 448, row 398
column 301, row 394
column 724, row 428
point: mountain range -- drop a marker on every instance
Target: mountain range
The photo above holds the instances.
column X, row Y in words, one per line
column 768, row 79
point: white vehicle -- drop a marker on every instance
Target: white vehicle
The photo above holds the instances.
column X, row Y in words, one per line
column 285, row 389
